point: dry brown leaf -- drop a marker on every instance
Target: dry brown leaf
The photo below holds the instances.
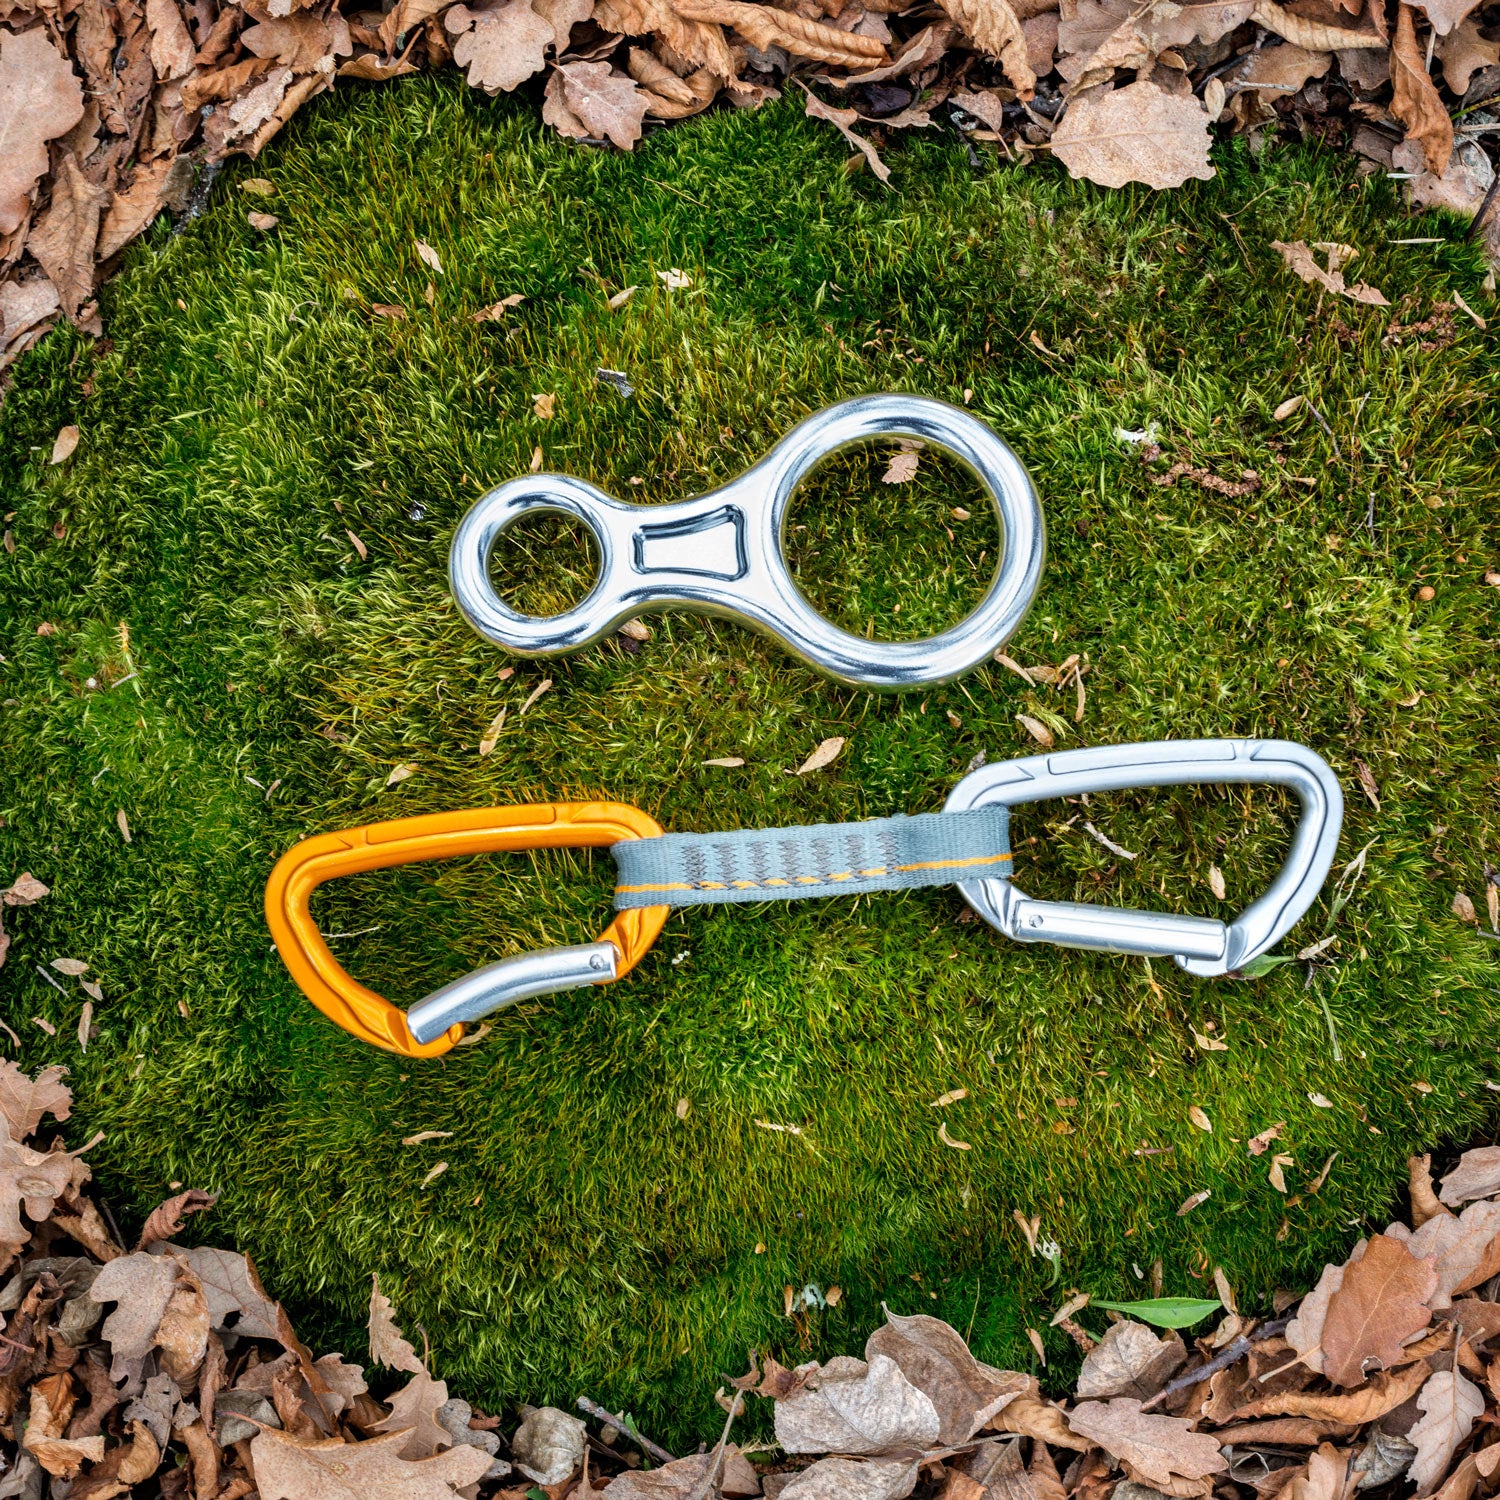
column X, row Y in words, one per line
column 231, row 1287
column 602, row 104
column 1379, row 1304
column 374, row 1470
column 827, row 752
column 414, row 1411
column 1465, row 1249
column 1475, row 1175
column 1450, row 1405
column 1415, row 100
column 936, row 1360
column 1463, row 52
column 842, row 120
column 1158, row 1448
column 1140, row 133
column 167, row 1219
column 387, row 1345
column 873, row 1409
column 1299, row 258
column 766, row 27
column 1257, row 1144
column 1424, row 1202
column 902, row 467
column 1130, row 1360
column 132, row 209
column 1314, row 36
column 853, row 1479
column 1383, row 1393
column 995, row 28
column 62, row 240
column 24, row 1100
column 1200, row 1119
column 63, row 447
column 59, row 1456
column 40, row 99
column 1032, row 1417
column 498, row 48
column 1292, row 1432
column 1036, row 729
column 141, row 1286
column 684, row 1478
column 1445, row 15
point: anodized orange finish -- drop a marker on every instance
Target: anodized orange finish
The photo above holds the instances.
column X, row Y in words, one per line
column 404, row 841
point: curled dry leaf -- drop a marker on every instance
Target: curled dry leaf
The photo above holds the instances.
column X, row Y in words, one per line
column 858, row 1408
column 1130, row 1360
column 1475, row 1175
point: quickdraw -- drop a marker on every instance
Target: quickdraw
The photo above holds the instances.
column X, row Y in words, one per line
column 967, row 844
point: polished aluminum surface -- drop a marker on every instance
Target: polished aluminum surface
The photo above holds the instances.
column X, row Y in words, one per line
column 721, row 553
column 548, row 971
column 1203, row 947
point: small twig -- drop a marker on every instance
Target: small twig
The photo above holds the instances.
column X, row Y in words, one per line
column 1322, row 422
column 623, row 1424
column 701, row 1489
column 1231, row 1354
column 1484, row 208
column 50, row 980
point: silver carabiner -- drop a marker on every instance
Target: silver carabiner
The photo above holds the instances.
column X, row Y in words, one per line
column 721, row 553
column 1202, row 946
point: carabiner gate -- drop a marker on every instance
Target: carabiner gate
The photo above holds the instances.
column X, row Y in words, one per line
column 434, row 1025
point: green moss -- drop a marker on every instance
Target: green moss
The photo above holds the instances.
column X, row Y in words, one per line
column 584, row 1238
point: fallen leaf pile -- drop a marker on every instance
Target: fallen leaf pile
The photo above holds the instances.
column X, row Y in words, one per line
column 170, row 1371
column 114, row 111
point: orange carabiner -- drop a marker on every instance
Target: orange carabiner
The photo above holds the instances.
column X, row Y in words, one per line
column 404, row 841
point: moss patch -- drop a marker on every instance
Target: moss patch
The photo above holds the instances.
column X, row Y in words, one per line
column 217, row 635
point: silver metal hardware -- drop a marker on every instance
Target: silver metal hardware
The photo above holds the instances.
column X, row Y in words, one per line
column 1203, row 947
column 547, row 971
column 721, row 553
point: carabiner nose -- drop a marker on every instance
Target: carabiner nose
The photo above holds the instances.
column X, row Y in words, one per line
column 434, row 1025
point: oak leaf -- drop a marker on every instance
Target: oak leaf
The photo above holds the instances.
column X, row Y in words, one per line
column 24, row 1100
column 40, row 99
column 1379, row 1304
column 1140, row 133
column 499, row 48
column 172, row 49
column 388, row 1346
column 335, row 1470
column 1368, row 1403
column 1465, row 1248
column 1463, row 52
column 608, row 105
column 1157, row 1448
column 1450, row 1405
